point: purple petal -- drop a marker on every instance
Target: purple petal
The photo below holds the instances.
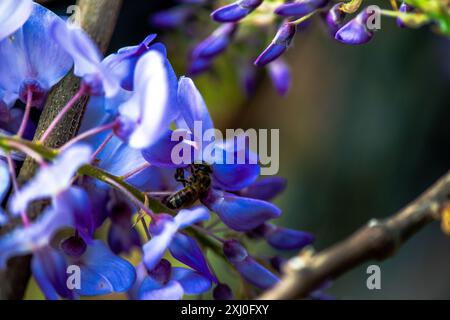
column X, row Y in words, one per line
column 288, row 239
column 216, row 43
column 172, row 18
column 335, row 18
column 102, row 272
column 87, row 58
column 404, row 8
column 192, row 106
column 163, row 231
column 38, row 235
column 299, row 8
column 159, row 154
column 279, row 44
column 74, row 246
column 222, row 292
column 191, row 281
column 188, row 217
column 13, row 14
column 152, row 290
column 199, row 65
column 49, row 269
column 355, row 32
column 235, row 11
column 281, row 76
column 265, row 189
column 123, row 240
column 238, row 213
column 75, row 201
column 235, row 166
column 249, row 269
column 123, row 63
column 4, row 180
column 31, row 59
column 53, row 179
column 150, row 110
column 255, row 273
column 186, row 250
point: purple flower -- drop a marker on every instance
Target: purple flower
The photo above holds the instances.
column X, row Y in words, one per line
column 97, row 77
column 235, row 11
column 335, row 18
column 164, row 229
column 123, row 63
column 102, row 272
column 355, row 32
column 51, row 180
column 31, row 60
column 404, row 8
column 247, row 266
column 145, row 117
column 13, row 14
column 300, row 8
column 172, row 18
column 222, row 292
column 4, row 188
column 281, row 76
column 122, row 237
column 265, row 189
column 282, row 238
column 216, row 43
column 279, row 44
column 165, row 282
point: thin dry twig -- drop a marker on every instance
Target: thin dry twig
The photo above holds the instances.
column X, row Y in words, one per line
column 378, row 240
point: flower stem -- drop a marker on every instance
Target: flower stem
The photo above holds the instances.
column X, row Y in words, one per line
column 26, row 115
column 60, row 116
column 102, row 146
column 135, row 171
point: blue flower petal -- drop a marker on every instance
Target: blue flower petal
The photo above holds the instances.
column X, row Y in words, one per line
column 234, row 165
column 31, row 57
column 152, row 107
column 186, row 250
column 255, row 273
column 288, row 239
column 188, row 217
column 49, row 269
column 75, row 201
column 191, row 281
column 13, row 14
column 163, row 232
column 265, row 189
column 123, row 63
column 239, row 213
column 4, row 180
column 281, row 76
column 152, row 290
column 53, row 179
column 87, row 58
column 38, row 235
column 102, row 272
column 192, row 105
column 122, row 240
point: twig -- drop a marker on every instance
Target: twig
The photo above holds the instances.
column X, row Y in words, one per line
column 378, row 240
column 98, row 18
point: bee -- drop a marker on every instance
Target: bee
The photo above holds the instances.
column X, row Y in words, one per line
column 195, row 186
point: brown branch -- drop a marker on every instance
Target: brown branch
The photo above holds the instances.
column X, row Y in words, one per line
column 377, row 241
column 98, row 18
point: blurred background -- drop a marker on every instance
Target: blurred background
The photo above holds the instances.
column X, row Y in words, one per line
column 364, row 130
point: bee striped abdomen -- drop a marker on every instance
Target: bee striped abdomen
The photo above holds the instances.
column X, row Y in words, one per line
column 182, row 198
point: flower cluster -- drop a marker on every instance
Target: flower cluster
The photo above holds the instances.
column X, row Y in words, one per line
column 118, row 174
column 245, row 22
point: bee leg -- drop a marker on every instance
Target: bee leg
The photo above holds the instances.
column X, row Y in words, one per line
column 179, row 176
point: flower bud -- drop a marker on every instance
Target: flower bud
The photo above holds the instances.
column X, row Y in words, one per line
column 235, row 11
column 335, row 18
column 356, row 32
column 216, row 43
column 279, row 44
column 404, row 8
column 300, row 8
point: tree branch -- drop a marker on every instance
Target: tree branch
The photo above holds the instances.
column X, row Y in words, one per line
column 98, row 18
column 378, row 240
